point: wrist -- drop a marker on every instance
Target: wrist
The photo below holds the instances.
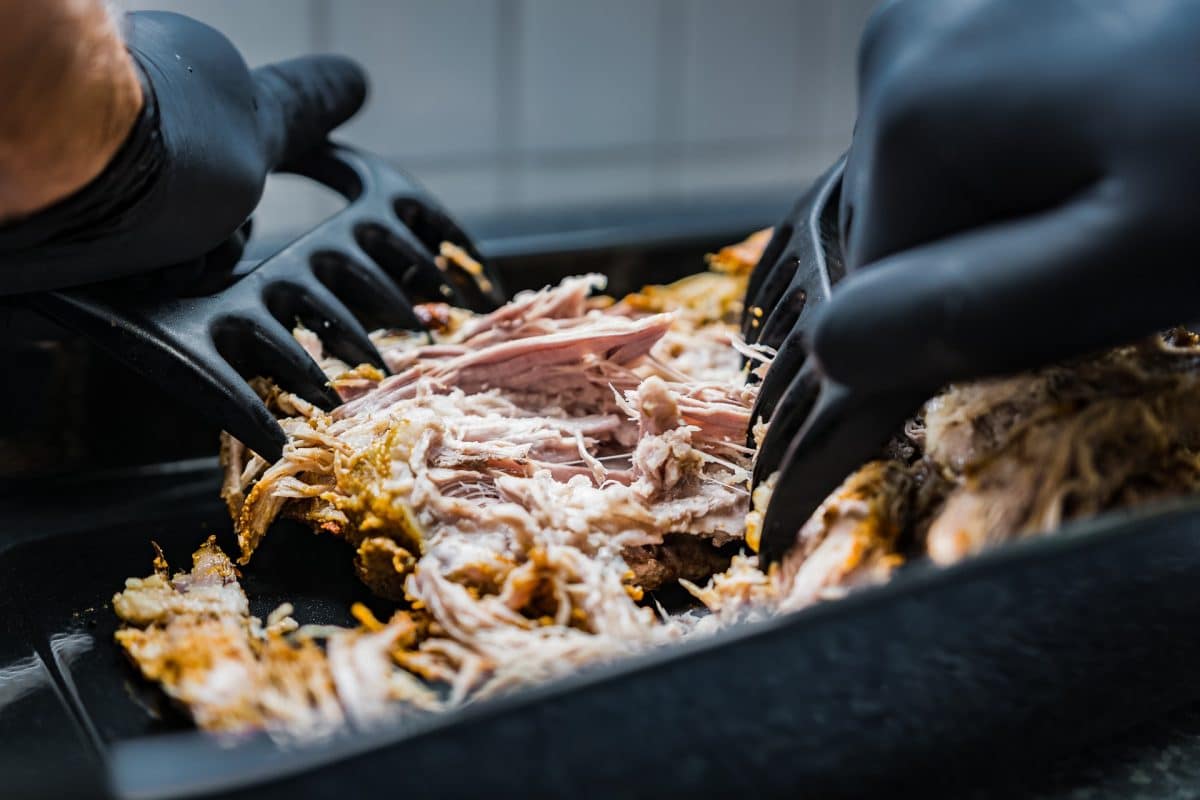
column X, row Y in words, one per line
column 70, row 112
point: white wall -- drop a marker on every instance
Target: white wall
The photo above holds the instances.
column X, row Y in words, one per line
column 538, row 103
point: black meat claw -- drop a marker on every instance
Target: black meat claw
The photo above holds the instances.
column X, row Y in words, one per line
column 375, row 256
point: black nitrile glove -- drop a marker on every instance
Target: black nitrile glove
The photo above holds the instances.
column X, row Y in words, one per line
column 1023, row 185
column 193, row 168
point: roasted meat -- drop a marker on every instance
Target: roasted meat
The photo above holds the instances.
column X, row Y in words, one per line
column 1024, row 454
column 521, row 487
column 515, row 487
column 194, row 635
column 992, row 461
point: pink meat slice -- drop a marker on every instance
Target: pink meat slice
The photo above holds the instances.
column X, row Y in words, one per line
column 523, row 363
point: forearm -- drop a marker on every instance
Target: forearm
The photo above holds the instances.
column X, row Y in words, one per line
column 71, row 98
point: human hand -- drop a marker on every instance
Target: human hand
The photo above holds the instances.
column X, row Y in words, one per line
column 1023, row 185
column 193, row 168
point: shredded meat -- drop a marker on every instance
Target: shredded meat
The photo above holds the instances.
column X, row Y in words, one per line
column 1025, row 454
column 194, row 635
column 517, row 486
column 992, row 461
column 521, row 486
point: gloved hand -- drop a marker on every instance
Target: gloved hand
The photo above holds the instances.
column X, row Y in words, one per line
column 193, row 168
column 1023, row 185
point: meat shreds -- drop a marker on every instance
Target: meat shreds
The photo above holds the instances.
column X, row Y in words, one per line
column 851, row 540
column 516, row 485
column 193, row 635
column 521, row 485
column 994, row 461
column 1025, row 454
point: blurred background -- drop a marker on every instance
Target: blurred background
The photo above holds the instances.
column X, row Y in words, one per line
column 513, row 108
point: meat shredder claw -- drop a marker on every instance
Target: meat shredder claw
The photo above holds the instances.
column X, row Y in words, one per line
column 376, row 255
column 819, row 431
column 796, row 275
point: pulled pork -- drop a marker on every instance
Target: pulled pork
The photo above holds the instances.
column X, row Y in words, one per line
column 993, row 461
column 520, row 484
column 194, row 635
column 516, row 486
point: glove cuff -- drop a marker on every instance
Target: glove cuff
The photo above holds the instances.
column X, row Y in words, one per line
column 101, row 205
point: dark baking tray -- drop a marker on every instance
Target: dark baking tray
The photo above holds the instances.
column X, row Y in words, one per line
column 943, row 678
column 941, row 682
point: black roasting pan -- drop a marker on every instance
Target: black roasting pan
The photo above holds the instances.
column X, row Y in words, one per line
column 943, row 680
